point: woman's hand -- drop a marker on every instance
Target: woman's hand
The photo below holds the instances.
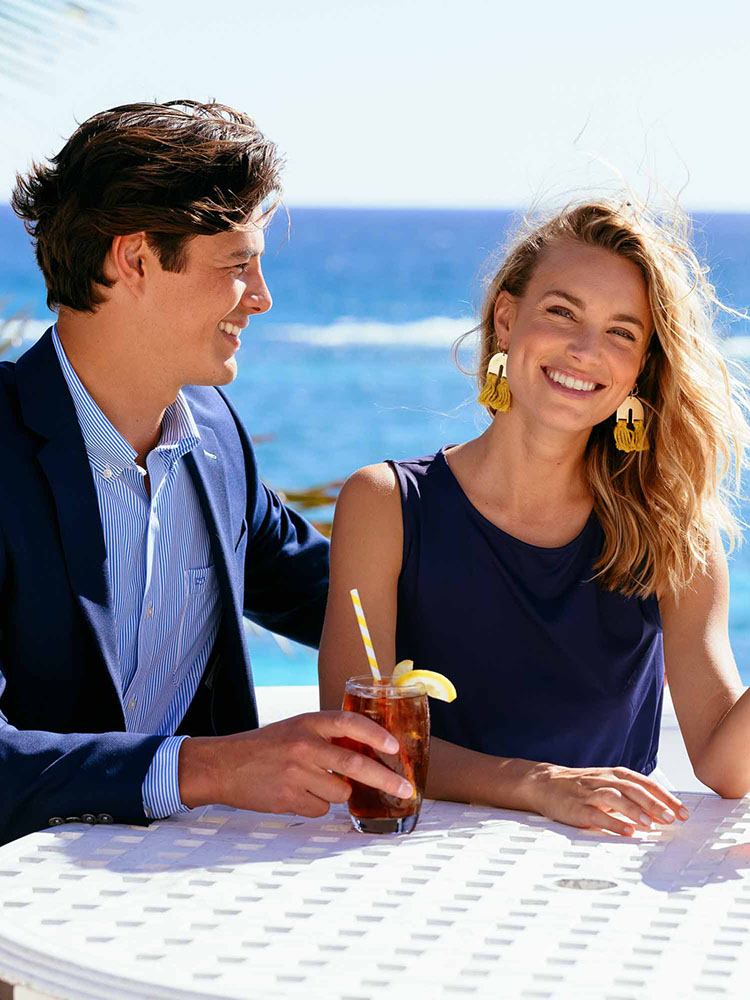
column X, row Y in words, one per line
column 602, row 798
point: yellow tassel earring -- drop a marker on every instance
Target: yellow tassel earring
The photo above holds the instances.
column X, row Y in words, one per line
column 496, row 391
column 630, row 427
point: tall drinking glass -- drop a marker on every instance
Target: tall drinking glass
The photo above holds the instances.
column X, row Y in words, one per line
column 404, row 712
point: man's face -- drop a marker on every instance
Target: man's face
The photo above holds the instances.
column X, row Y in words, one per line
column 197, row 314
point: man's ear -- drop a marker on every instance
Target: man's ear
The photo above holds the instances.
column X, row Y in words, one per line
column 126, row 261
column 506, row 306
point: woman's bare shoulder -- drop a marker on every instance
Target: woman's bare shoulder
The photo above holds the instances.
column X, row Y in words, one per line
column 367, row 524
column 372, row 485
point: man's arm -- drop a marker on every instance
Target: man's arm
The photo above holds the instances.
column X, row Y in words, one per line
column 286, row 567
column 286, row 570
column 48, row 775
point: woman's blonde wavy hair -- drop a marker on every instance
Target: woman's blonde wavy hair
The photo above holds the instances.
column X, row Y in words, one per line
column 660, row 509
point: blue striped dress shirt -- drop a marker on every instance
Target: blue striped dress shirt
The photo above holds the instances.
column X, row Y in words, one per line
column 164, row 592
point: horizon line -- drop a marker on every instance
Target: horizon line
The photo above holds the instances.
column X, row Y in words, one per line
column 432, row 207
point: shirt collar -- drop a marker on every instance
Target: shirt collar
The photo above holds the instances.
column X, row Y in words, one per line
column 105, row 446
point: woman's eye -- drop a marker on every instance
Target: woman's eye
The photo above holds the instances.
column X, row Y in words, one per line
column 561, row 311
column 624, row 333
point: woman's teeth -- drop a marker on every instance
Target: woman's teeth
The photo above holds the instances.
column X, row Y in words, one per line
column 569, row 382
column 230, row 328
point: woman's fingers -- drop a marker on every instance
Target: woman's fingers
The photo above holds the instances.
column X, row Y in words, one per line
column 660, row 803
column 595, row 819
column 613, row 800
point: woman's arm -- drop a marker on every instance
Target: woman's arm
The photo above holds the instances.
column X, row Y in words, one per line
column 366, row 553
column 713, row 711
column 366, row 546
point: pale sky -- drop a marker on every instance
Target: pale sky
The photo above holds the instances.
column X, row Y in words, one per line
column 429, row 103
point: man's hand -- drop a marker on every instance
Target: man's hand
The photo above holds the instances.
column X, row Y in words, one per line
column 287, row 767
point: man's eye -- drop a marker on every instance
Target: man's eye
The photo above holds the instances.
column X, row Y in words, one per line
column 241, row 268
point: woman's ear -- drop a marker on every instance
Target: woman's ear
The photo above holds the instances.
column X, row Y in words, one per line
column 504, row 317
column 644, row 360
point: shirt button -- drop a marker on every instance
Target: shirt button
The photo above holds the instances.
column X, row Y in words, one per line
column 132, row 703
column 154, row 521
column 107, row 472
column 150, row 610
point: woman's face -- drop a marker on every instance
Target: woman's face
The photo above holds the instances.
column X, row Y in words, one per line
column 577, row 338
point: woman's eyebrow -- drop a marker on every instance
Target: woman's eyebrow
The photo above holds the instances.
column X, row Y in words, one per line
column 620, row 317
column 565, row 295
column 626, row 318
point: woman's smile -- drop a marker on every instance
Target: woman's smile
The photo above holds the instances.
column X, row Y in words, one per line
column 570, row 384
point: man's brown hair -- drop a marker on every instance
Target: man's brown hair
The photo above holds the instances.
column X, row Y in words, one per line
column 173, row 171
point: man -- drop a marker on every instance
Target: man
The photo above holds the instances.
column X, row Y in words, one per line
column 134, row 530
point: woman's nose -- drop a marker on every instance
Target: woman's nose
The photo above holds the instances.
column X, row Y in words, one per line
column 584, row 343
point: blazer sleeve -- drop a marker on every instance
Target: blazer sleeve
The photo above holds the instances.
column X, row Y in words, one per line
column 286, row 563
column 44, row 776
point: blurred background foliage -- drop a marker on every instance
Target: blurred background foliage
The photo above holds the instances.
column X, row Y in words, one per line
column 34, row 32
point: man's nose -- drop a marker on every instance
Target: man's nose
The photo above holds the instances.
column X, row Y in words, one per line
column 257, row 297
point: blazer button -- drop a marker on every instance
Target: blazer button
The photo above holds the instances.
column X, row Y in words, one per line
column 72, row 819
column 88, row 818
column 104, row 818
column 55, row 821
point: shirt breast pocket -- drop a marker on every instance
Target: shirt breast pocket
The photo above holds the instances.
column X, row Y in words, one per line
column 199, row 609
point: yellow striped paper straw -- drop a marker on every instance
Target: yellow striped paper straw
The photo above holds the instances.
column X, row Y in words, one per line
column 365, row 633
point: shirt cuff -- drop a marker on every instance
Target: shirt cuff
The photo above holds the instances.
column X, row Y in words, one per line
column 161, row 786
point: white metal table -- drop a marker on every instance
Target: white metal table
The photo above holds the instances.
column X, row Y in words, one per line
column 476, row 903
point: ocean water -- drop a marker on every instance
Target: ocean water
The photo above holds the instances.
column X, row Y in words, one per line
column 353, row 364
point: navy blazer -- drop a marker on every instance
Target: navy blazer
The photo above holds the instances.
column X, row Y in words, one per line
column 63, row 746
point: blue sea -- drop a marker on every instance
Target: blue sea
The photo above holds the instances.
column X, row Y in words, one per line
column 353, row 364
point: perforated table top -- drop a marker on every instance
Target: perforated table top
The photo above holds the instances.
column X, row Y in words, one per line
column 476, row 903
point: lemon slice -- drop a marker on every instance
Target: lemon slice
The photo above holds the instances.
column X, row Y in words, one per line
column 436, row 685
column 401, row 668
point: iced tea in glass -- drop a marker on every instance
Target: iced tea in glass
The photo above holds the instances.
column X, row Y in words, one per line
column 404, row 712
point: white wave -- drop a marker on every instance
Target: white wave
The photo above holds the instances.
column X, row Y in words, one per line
column 437, row 331
column 737, row 347
column 18, row 330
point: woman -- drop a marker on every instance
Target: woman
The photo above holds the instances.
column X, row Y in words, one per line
column 554, row 566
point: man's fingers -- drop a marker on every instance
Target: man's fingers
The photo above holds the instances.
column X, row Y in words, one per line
column 352, row 726
column 367, row 771
column 311, row 805
column 329, row 786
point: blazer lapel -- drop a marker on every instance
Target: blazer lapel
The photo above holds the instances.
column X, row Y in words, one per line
column 209, row 475
column 48, row 409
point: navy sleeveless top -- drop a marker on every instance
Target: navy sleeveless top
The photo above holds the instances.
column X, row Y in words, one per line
column 548, row 665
